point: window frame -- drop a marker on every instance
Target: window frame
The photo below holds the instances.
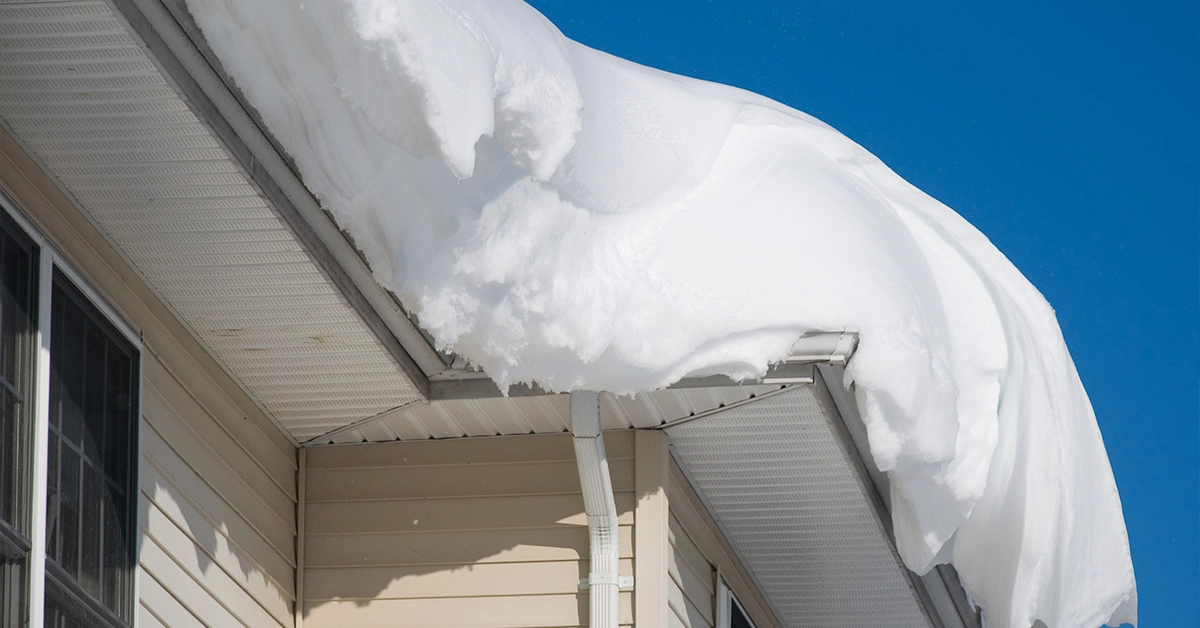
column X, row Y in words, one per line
column 18, row 388
column 50, row 259
column 726, row 601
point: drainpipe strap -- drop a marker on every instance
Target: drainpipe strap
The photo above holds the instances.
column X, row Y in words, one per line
column 622, row 582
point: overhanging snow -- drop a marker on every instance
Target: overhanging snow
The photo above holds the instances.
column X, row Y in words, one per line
column 564, row 217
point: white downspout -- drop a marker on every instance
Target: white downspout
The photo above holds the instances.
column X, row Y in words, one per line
column 603, row 582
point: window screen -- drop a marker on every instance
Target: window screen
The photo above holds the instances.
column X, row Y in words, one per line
column 90, row 518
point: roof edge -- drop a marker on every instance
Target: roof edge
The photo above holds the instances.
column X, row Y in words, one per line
column 816, row 347
column 940, row 589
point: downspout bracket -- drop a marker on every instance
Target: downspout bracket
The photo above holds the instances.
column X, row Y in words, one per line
column 623, row 582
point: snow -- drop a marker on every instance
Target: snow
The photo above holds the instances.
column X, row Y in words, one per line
column 562, row 216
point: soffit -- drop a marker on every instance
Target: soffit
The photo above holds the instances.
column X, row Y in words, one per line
column 780, row 476
column 84, row 98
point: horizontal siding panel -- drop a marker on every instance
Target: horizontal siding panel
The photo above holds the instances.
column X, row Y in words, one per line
column 486, row 533
column 230, row 577
column 489, row 450
column 686, row 550
column 158, row 563
column 146, row 619
column 157, row 602
column 202, row 511
column 697, row 587
column 237, row 432
column 458, row 581
column 231, row 534
column 688, row 613
column 692, row 578
column 475, row 513
column 200, row 441
column 468, row 480
column 271, row 509
column 455, row 548
column 250, row 426
column 534, row 611
column 246, row 518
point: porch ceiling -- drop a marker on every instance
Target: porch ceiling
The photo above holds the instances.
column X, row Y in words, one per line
column 79, row 91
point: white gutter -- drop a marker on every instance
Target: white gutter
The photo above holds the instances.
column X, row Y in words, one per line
column 825, row 347
column 603, row 582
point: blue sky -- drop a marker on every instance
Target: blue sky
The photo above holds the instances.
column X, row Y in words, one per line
column 1068, row 132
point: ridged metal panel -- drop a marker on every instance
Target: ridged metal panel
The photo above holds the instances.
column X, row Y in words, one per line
column 84, row 98
column 783, row 486
column 541, row 414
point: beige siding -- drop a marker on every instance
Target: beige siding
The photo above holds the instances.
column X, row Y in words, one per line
column 218, row 531
column 481, row 532
column 691, row 589
column 217, row 507
column 698, row 553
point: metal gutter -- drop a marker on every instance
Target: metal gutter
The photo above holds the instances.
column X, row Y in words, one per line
column 829, row 347
column 478, row 385
column 177, row 46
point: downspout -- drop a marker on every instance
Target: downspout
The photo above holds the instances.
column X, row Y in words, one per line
column 603, row 582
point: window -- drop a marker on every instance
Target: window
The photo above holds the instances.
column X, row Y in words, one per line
column 18, row 294
column 730, row 613
column 68, row 445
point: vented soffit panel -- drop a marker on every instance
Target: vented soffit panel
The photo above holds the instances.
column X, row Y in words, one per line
column 79, row 91
column 783, row 480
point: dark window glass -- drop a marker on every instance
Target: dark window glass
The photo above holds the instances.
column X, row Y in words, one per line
column 90, row 522
column 18, row 307
column 737, row 617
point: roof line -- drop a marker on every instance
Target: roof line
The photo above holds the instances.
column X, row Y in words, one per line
column 940, row 589
column 177, row 45
column 818, row 347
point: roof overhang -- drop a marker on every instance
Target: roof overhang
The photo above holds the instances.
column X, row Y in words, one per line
column 119, row 103
column 791, row 482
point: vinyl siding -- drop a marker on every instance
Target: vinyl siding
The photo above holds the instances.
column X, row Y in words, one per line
column 484, row 532
column 690, row 593
column 218, row 531
column 217, row 476
column 698, row 552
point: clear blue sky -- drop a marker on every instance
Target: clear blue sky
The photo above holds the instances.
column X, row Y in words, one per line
column 1068, row 132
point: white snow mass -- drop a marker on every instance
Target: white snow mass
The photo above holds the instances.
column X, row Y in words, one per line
column 561, row 216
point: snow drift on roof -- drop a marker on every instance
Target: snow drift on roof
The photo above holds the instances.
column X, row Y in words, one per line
column 559, row 215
